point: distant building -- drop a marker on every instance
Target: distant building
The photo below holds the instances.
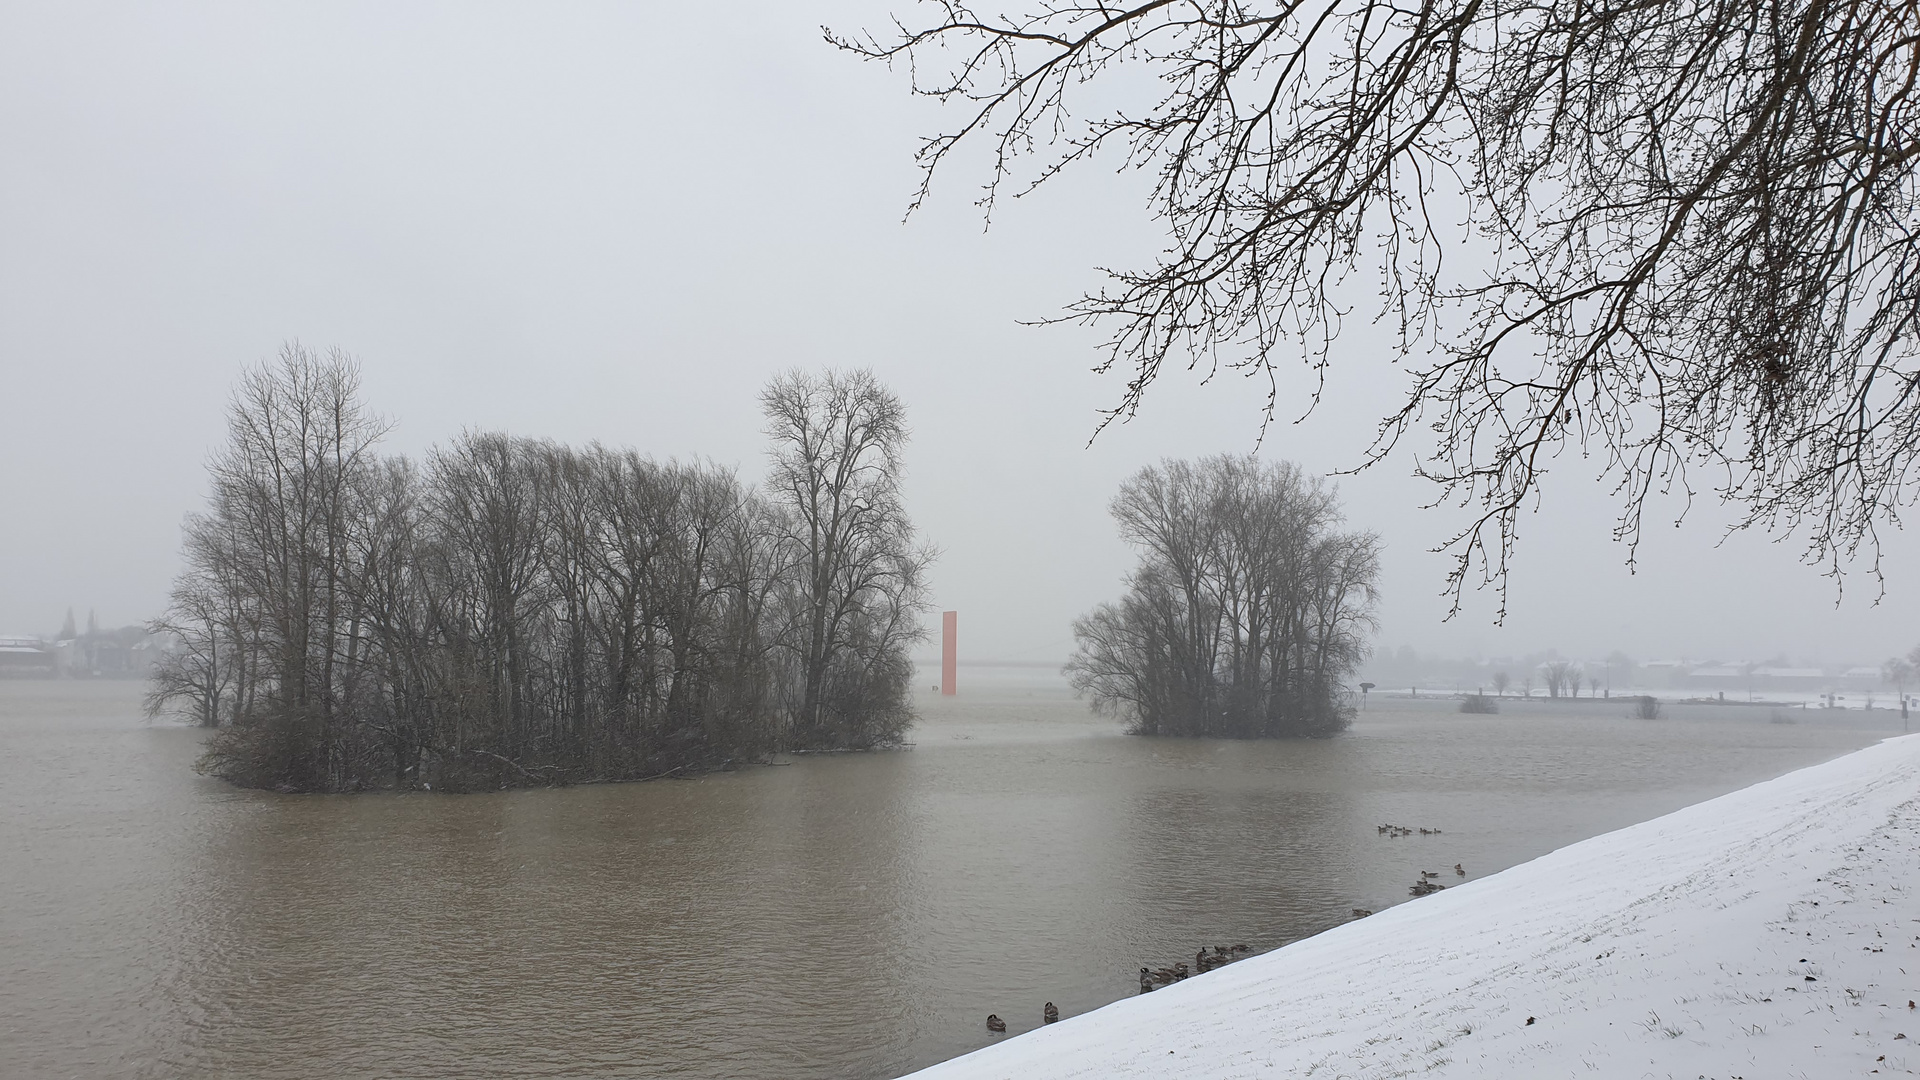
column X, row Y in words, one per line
column 1759, row 680
column 1664, row 673
column 22, row 656
column 1862, row 678
column 1719, row 677
column 127, row 653
column 1804, row 679
column 1765, row 680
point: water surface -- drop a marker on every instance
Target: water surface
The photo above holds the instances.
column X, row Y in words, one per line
column 840, row 916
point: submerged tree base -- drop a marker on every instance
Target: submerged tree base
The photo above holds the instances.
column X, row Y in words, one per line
column 257, row 757
column 1324, row 727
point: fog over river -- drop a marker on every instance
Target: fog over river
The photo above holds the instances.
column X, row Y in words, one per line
column 839, row 916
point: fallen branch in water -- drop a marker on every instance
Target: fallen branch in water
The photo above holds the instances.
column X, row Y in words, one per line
column 549, row 779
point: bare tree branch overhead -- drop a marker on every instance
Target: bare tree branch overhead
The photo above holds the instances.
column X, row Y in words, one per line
column 1691, row 223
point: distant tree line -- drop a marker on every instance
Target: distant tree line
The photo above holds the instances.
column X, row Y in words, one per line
column 513, row 611
column 1246, row 613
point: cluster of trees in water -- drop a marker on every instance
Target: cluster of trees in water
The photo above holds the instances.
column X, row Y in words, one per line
column 513, row 611
column 1248, row 609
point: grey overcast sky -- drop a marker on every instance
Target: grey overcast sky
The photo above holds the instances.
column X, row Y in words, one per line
column 613, row 222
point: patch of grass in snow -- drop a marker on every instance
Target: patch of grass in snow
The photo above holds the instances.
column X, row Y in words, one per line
column 1653, row 1023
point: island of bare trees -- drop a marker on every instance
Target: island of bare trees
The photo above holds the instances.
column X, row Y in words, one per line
column 1248, row 609
column 511, row 611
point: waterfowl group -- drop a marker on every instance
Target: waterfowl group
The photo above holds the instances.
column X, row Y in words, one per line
column 1050, row 1014
column 1153, row 977
column 1221, row 956
column 1402, row 830
column 1428, row 882
column 1206, row 959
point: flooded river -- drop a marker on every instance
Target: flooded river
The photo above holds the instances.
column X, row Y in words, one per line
column 852, row 916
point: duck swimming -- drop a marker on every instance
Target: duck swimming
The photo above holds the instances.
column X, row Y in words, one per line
column 1049, row 1015
column 994, row 1023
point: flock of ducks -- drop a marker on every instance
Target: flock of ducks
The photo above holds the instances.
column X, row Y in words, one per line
column 1402, row 830
column 1429, row 882
column 1427, row 885
column 1221, row 955
column 1048, row 1015
column 1203, row 961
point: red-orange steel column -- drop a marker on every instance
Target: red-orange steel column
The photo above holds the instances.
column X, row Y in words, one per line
column 949, row 651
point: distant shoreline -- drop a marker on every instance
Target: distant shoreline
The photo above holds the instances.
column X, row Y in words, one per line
column 934, row 662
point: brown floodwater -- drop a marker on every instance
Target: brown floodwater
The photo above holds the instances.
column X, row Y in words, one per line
column 841, row 916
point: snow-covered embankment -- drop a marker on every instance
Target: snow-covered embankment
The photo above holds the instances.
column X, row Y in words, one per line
column 1772, row 932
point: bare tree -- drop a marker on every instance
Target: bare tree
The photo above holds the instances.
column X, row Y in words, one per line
column 299, row 440
column 1248, row 609
column 1697, row 255
column 1898, row 672
column 485, row 510
column 1500, row 683
column 198, row 673
column 858, row 578
column 396, row 656
column 1559, row 675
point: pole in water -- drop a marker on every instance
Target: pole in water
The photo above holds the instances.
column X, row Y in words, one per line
column 949, row 652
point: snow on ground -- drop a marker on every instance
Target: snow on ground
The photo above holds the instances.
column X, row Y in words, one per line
column 1772, row 932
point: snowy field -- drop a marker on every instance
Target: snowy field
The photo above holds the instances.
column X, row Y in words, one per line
column 1772, row 932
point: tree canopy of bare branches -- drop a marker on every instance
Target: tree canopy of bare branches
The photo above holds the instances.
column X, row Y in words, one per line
column 858, row 579
column 1561, row 675
column 514, row 611
column 1690, row 226
column 1246, row 613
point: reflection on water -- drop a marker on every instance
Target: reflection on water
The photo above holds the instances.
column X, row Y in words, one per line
column 842, row 916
